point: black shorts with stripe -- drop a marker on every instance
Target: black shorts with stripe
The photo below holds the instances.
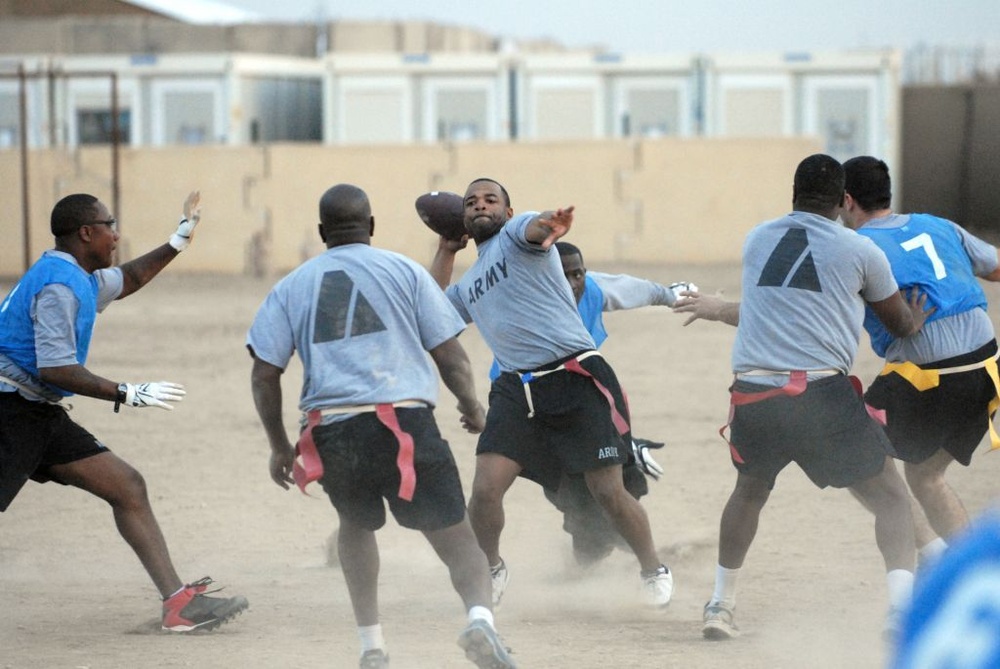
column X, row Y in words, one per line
column 360, row 474
column 953, row 416
column 572, row 430
column 826, row 431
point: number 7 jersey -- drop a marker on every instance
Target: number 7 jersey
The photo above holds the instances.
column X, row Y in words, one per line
column 935, row 256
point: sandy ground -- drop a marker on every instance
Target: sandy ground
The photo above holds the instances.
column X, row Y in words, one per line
column 812, row 592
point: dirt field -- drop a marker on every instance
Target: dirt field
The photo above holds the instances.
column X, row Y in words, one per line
column 812, row 592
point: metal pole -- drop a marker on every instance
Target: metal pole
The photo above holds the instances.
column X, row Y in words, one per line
column 22, row 80
column 53, row 128
column 115, row 149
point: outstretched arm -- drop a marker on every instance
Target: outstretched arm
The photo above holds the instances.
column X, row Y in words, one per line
column 79, row 380
column 140, row 271
column 456, row 372
column 549, row 226
column 708, row 308
column 624, row 291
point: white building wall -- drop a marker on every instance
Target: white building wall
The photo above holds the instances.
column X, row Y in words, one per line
column 851, row 100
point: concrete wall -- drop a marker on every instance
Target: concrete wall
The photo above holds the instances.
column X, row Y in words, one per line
column 951, row 154
column 653, row 201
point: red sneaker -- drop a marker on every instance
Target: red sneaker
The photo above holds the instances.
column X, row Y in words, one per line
column 191, row 609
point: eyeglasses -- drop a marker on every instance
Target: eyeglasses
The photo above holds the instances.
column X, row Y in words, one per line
column 112, row 224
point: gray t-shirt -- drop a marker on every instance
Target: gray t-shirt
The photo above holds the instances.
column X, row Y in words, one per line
column 362, row 320
column 519, row 298
column 805, row 282
column 53, row 312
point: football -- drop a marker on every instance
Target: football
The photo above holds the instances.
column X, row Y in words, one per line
column 442, row 212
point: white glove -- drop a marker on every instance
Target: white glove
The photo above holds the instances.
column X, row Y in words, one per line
column 644, row 459
column 674, row 291
column 153, row 394
column 185, row 230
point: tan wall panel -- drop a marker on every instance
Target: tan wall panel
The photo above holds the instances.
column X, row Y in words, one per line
column 655, row 201
column 700, row 197
column 392, row 177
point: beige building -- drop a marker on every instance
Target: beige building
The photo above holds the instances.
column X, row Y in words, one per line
column 669, row 158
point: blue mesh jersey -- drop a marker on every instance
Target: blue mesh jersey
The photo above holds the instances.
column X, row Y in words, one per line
column 942, row 261
column 953, row 619
column 362, row 320
column 48, row 318
column 805, row 282
column 520, row 300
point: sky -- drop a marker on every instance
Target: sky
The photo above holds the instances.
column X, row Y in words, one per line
column 672, row 26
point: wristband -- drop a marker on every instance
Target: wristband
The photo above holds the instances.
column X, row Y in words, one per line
column 122, row 395
column 178, row 240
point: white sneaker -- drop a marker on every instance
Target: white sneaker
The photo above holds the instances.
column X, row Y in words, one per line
column 717, row 623
column 657, row 587
column 500, row 577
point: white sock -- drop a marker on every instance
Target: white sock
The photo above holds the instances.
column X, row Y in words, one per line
column 481, row 613
column 900, row 584
column 933, row 549
column 725, row 586
column 371, row 637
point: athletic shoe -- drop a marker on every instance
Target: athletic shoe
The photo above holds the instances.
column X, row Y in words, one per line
column 500, row 578
column 192, row 609
column 375, row 658
column 718, row 623
column 484, row 647
column 657, row 587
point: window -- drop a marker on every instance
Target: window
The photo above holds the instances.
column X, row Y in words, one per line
column 94, row 126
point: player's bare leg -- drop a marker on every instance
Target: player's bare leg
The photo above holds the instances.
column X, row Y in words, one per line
column 887, row 496
column 625, row 512
column 494, row 476
column 116, row 482
column 467, row 564
column 740, row 518
column 944, row 510
column 359, row 560
column 923, row 533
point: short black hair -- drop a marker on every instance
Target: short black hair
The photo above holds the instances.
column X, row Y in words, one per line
column 819, row 183
column 506, row 195
column 71, row 212
column 344, row 206
column 567, row 249
column 867, row 180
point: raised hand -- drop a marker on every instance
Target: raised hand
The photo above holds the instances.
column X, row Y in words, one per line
column 557, row 223
column 192, row 215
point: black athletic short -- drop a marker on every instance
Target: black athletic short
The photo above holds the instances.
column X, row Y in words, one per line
column 954, row 416
column 825, row 430
column 572, row 429
column 359, row 471
column 33, row 437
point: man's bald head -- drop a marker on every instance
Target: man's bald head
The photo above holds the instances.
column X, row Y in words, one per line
column 345, row 215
